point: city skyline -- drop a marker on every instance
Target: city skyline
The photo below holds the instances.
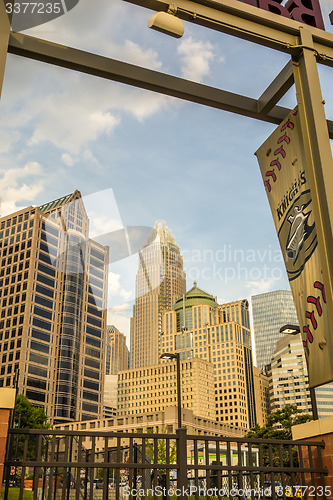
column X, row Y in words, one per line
column 164, row 159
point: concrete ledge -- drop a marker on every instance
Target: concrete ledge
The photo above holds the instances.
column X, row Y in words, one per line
column 7, row 398
column 314, row 428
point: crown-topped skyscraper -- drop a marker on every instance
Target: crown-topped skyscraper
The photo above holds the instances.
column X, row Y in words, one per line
column 160, row 280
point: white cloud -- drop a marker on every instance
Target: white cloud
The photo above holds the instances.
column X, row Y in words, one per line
column 69, row 109
column 102, row 225
column 7, row 140
column 19, row 186
column 70, row 120
column 103, row 212
column 195, row 58
column 133, row 53
column 68, row 159
column 262, row 286
column 119, row 316
column 115, row 288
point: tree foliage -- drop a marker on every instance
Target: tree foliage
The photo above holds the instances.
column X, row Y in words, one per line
column 29, row 416
column 278, row 426
column 162, row 450
column 279, row 423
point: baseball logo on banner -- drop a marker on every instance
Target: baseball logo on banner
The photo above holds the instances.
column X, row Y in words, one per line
column 283, row 168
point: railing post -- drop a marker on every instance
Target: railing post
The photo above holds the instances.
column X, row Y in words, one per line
column 182, row 463
column 7, row 403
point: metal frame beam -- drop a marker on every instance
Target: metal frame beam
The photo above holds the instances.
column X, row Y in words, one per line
column 111, row 69
column 276, row 90
column 247, row 22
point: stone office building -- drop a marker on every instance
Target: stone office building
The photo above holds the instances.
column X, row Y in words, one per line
column 198, row 327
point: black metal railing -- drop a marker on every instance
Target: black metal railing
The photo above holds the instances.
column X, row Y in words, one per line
column 81, row 465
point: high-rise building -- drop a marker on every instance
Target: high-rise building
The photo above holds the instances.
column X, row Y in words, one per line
column 53, row 283
column 261, row 395
column 324, row 399
column 289, row 382
column 110, row 396
column 288, row 375
column 271, row 311
column 198, row 326
column 154, row 388
column 160, row 280
column 116, row 351
column 116, row 360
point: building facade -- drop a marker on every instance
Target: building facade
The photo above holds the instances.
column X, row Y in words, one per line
column 117, row 355
column 288, row 375
column 161, row 421
column 53, row 308
column 288, row 379
column 154, row 388
column 117, row 359
column 110, row 396
column 198, row 327
column 261, row 395
column 270, row 311
column 160, row 280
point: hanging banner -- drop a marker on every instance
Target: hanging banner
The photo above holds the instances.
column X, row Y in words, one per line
column 283, row 168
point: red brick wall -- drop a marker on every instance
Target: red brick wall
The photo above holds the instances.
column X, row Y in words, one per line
column 327, row 461
column 4, row 417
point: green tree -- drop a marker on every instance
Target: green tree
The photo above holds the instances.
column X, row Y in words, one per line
column 162, row 450
column 28, row 415
column 278, row 426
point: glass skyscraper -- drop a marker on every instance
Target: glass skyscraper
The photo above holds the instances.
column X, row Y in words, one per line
column 271, row 311
column 53, row 286
column 160, row 280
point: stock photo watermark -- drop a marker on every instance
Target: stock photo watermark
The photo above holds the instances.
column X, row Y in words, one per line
column 26, row 14
column 231, row 264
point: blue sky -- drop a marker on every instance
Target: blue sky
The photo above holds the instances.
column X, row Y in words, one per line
column 140, row 157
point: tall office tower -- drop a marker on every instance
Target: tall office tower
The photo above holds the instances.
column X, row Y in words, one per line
column 324, row 397
column 271, row 311
column 116, row 351
column 160, row 280
column 288, row 379
column 261, row 395
column 53, row 283
column 288, row 375
column 199, row 327
column 116, row 361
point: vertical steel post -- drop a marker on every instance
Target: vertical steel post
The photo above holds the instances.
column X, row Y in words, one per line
column 313, row 404
column 319, row 160
column 182, row 463
column 179, row 391
column 4, row 38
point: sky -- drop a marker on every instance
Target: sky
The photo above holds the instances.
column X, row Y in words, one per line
column 138, row 157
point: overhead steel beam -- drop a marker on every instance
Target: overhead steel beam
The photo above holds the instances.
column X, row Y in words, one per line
column 277, row 89
column 4, row 36
column 247, row 22
column 111, row 69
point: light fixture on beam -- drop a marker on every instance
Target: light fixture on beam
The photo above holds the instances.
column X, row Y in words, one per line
column 290, row 329
column 166, row 23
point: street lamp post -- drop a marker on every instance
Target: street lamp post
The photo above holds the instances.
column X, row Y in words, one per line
column 169, row 355
column 294, row 330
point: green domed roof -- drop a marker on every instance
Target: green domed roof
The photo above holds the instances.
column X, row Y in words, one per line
column 195, row 296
